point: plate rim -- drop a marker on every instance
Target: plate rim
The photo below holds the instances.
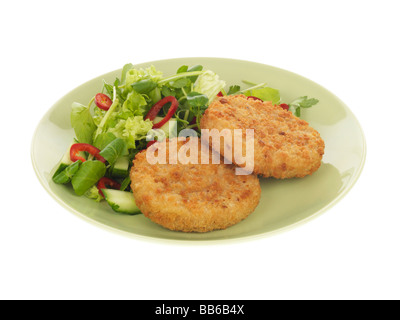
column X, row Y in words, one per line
column 356, row 175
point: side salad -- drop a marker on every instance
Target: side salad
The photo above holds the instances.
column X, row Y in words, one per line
column 116, row 123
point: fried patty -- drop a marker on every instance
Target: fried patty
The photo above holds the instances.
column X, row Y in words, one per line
column 191, row 197
column 285, row 146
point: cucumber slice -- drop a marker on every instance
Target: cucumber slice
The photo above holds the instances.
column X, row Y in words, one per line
column 170, row 127
column 121, row 167
column 121, row 201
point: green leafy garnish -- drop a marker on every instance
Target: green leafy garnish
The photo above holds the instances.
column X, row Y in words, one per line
column 65, row 176
column 182, row 69
column 209, row 84
column 196, row 100
column 132, row 130
column 114, row 150
column 82, row 123
column 104, row 139
column 133, row 75
column 115, row 87
column 125, row 183
column 144, row 86
column 125, row 69
column 302, row 102
column 194, row 68
column 88, row 174
column 134, row 105
column 233, row 89
column 265, row 94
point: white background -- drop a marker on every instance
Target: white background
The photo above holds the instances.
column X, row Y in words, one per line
column 349, row 47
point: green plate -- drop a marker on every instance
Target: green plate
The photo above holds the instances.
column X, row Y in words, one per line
column 284, row 203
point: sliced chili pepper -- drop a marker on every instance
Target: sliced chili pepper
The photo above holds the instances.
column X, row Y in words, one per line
column 220, row 94
column 150, row 143
column 194, row 121
column 284, row 106
column 102, row 101
column 152, row 114
column 79, row 147
column 107, row 183
column 255, row 98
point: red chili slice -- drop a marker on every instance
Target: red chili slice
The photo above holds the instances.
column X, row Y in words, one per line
column 152, row 114
column 107, row 183
column 220, row 94
column 194, row 121
column 284, row 106
column 102, row 101
column 255, row 98
column 150, row 143
column 79, row 147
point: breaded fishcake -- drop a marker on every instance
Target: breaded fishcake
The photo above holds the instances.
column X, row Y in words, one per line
column 192, row 197
column 285, row 146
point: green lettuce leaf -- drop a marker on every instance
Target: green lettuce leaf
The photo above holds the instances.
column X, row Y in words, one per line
column 134, row 105
column 114, row 150
column 265, row 94
column 82, row 123
column 135, row 75
column 209, row 84
column 88, row 175
column 131, row 130
column 196, row 67
column 155, row 95
column 144, row 86
column 65, row 176
column 125, row 69
column 103, row 140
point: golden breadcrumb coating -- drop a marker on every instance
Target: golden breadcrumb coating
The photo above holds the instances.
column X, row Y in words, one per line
column 192, row 197
column 285, row 146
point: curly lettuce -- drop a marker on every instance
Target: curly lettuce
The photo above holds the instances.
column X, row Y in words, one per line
column 134, row 75
column 132, row 130
column 134, row 105
column 209, row 84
